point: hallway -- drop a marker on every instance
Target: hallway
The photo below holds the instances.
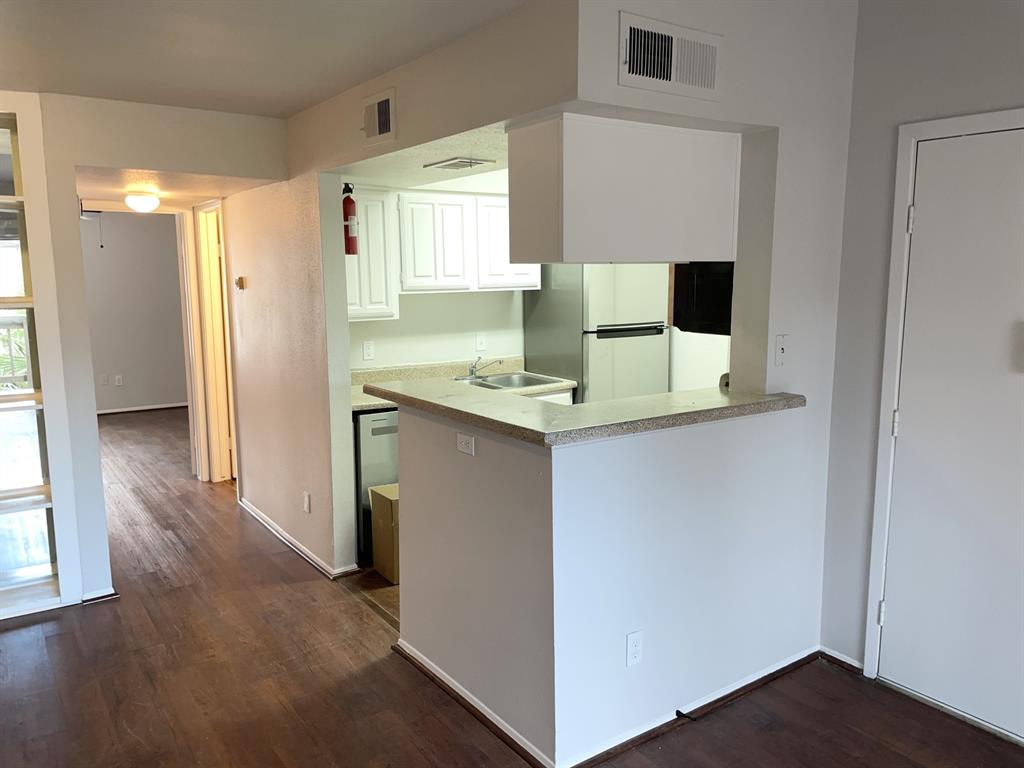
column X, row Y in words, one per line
column 227, row 649
column 224, row 649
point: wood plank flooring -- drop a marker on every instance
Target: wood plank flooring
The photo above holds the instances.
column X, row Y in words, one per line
column 227, row 649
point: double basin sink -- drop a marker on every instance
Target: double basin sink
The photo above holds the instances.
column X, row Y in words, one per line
column 509, row 380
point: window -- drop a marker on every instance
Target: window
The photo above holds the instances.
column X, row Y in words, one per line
column 28, row 568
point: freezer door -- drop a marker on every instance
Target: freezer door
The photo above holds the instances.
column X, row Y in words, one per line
column 617, row 366
column 615, row 294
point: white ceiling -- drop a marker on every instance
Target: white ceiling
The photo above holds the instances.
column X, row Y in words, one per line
column 260, row 57
column 176, row 190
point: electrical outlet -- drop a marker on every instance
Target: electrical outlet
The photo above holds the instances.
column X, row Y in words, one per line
column 634, row 648
column 369, row 350
column 481, row 342
column 465, row 444
column 305, row 502
column 118, row 380
column 780, row 349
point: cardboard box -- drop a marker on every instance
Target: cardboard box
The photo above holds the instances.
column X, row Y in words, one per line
column 384, row 511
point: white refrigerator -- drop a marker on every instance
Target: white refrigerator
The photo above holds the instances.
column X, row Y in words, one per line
column 603, row 325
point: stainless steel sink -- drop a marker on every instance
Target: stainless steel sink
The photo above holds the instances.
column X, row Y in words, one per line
column 508, row 380
column 517, row 380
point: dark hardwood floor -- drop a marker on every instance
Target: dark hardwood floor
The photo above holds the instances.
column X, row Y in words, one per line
column 227, row 649
column 378, row 592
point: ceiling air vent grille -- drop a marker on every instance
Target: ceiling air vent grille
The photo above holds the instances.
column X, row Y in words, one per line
column 658, row 56
column 457, row 164
column 379, row 117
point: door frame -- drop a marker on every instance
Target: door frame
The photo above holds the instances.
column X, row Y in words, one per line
column 910, row 135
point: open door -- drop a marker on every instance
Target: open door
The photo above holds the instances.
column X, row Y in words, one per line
column 211, row 386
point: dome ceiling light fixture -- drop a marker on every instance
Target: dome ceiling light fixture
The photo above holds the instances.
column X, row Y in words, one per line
column 142, row 202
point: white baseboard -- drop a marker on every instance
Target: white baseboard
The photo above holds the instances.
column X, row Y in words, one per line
column 132, row 408
column 842, row 657
column 750, row 679
column 615, row 741
column 511, row 732
column 98, row 593
column 625, row 736
column 283, row 535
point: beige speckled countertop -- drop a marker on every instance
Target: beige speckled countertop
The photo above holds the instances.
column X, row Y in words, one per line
column 364, row 402
column 549, row 424
column 361, row 401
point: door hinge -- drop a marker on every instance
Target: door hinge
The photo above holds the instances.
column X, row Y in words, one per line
column 896, row 423
column 881, row 613
column 910, row 219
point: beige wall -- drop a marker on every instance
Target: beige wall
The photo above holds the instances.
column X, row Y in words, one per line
column 520, row 63
column 134, row 298
column 80, row 131
column 339, row 378
column 280, row 349
column 787, row 64
column 916, row 60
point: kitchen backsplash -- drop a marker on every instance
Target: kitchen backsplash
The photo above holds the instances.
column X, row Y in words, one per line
column 436, row 328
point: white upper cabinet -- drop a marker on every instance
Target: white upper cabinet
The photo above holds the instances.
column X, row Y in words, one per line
column 594, row 189
column 439, row 242
column 373, row 274
column 495, row 272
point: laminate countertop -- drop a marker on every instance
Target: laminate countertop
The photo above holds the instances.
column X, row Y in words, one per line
column 361, row 401
column 550, row 424
column 364, row 402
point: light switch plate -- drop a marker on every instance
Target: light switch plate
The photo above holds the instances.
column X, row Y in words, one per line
column 634, row 648
column 780, row 349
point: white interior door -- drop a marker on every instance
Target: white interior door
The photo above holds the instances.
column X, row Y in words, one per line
column 954, row 583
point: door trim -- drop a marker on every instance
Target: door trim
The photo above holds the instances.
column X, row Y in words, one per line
column 910, row 135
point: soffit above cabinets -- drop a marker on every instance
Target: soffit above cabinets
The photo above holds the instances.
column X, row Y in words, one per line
column 404, row 169
column 181, row 190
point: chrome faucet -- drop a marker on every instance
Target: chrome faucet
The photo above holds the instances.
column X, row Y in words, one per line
column 475, row 367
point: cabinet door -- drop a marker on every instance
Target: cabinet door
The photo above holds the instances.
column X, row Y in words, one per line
column 599, row 190
column 635, row 192
column 494, row 269
column 438, row 234
column 373, row 274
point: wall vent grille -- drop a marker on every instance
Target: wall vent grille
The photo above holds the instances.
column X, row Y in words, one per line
column 698, row 63
column 658, row 56
column 649, row 54
column 379, row 117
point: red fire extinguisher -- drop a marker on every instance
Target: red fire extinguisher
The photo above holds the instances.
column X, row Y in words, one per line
column 348, row 212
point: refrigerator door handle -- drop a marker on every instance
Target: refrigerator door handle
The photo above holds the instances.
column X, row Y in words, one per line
column 625, row 330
